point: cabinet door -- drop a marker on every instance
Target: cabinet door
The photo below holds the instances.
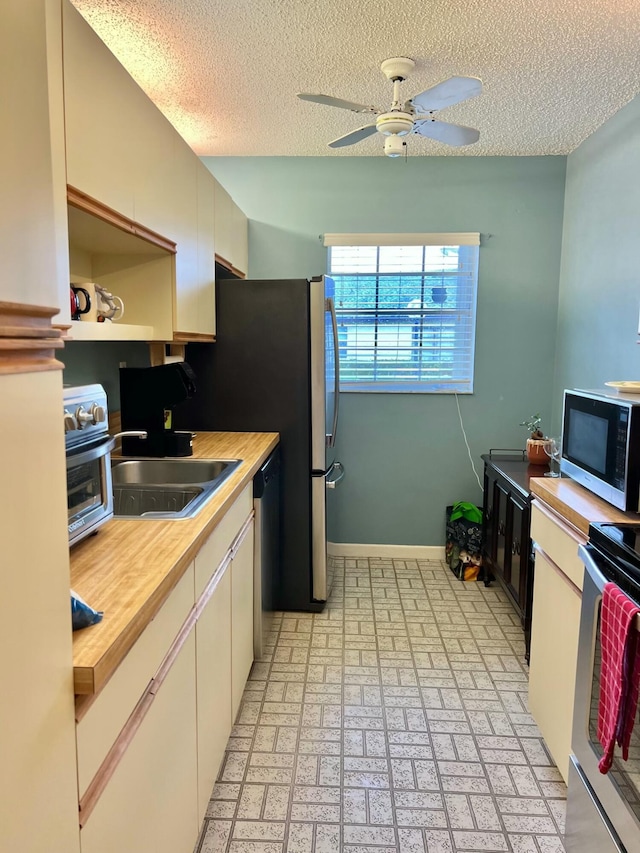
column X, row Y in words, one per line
column 502, row 510
column 37, row 742
column 33, row 238
column 153, row 189
column 554, row 650
column 101, row 116
column 206, row 251
column 99, row 727
column 489, row 514
column 240, row 240
column 150, row 803
column 213, row 666
column 519, row 551
column 241, row 617
column 223, row 225
column 185, row 233
column 231, row 231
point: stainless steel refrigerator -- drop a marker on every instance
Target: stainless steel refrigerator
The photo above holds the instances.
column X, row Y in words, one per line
column 274, row 367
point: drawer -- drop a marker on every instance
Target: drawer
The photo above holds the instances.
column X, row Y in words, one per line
column 558, row 540
column 212, row 552
column 100, row 726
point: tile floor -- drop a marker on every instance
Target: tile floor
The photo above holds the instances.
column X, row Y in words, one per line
column 394, row 722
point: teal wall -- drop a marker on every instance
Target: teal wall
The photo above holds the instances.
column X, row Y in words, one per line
column 600, row 274
column 87, row 361
column 405, row 454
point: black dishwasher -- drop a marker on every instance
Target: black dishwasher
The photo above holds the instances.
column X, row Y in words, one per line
column 266, row 503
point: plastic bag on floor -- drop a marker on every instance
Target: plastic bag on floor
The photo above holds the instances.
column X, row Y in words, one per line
column 463, row 547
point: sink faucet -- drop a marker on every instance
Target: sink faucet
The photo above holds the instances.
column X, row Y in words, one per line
column 133, row 433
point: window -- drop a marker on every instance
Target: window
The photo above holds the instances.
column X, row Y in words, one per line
column 406, row 312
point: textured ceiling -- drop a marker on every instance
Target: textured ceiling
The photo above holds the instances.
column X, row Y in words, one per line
column 226, row 72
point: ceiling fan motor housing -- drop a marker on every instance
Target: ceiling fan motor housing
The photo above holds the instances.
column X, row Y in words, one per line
column 394, row 122
column 397, row 68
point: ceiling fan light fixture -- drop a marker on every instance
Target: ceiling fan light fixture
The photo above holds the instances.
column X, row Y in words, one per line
column 396, row 123
column 394, row 146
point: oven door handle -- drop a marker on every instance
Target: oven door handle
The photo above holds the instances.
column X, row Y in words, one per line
column 591, row 567
column 92, row 454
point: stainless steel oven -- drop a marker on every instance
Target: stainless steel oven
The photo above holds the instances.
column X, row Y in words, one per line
column 603, row 810
column 88, row 447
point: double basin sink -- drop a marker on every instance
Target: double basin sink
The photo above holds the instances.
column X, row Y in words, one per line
column 166, row 488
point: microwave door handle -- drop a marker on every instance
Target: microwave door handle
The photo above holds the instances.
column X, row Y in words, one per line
column 331, row 439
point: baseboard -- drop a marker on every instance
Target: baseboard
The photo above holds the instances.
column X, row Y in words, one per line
column 398, row 552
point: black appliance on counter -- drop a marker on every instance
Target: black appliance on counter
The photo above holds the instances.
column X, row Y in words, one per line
column 273, row 368
column 147, row 398
column 603, row 811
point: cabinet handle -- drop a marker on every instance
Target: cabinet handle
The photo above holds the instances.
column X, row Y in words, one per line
column 515, row 547
column 242, row 535
column 501, row 528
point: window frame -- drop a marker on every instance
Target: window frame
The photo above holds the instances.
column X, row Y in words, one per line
column 462, row 351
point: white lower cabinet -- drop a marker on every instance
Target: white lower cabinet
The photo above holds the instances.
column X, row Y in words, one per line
column 213, row 667
column 241, row 616
column 148, row 755
column 554, row 634
column 150, row 803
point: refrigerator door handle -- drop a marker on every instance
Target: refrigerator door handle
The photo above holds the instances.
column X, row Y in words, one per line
column 320, row 589
column 331, row 439
column 335, row 467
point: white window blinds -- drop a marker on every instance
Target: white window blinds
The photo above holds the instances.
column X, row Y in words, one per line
column 406, row 312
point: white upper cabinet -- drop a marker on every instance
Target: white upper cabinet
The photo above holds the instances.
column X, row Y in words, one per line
column 122, row 152
column 155, row 175
column 33, row 235
column 102, row 106
column 206, row 250
column 185, row 227
column 231, row 230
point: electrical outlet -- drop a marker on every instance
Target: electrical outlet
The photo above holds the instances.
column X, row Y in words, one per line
column 124, row 363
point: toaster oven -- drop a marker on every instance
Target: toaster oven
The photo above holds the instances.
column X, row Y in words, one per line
column 88, row 450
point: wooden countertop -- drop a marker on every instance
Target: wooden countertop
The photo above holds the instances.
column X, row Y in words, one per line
column 576, row 504
column 130, row 566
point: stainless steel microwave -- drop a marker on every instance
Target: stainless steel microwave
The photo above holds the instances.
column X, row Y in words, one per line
column 601, row 444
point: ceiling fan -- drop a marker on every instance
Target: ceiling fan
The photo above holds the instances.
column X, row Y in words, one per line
column 413, row 116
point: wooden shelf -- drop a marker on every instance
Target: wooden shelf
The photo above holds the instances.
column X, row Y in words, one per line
column 88, row 218
column 81, row 331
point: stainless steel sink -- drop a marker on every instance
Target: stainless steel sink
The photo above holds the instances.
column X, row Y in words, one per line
column 171, row 471
column 166, row 488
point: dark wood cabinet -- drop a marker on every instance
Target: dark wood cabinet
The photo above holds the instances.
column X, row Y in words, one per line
column 507, row 550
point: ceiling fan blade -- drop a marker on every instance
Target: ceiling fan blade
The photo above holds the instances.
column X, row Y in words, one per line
column 354, row 136
column 338, row 102
column 452, row 134
column 447, row 93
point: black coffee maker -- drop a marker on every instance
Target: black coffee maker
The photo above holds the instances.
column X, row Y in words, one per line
column 147, row 397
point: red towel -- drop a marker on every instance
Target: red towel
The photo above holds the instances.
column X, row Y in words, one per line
column 619, row 673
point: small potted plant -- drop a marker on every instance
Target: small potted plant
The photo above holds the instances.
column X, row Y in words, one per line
column 536, row 453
